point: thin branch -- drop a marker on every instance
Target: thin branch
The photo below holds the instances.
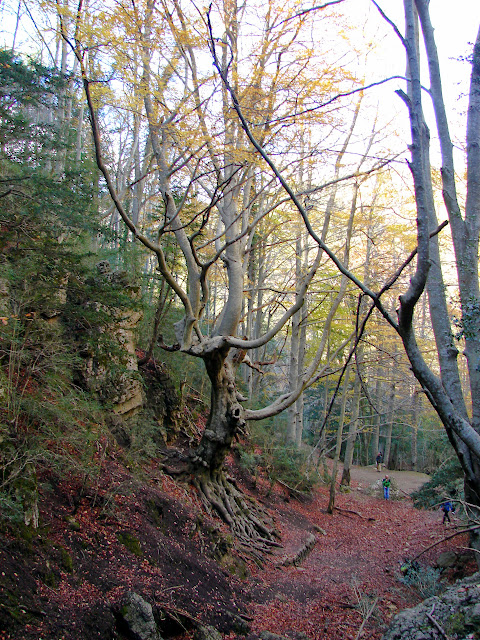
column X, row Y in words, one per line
column 452, row 535
column 304, row 12
column 439, row 628
column 39, row 32
column 334, row 99
column 391, row 23
column 283, row 182
column 365, row 620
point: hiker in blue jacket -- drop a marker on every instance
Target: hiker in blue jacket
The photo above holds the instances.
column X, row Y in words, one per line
column 446, row 507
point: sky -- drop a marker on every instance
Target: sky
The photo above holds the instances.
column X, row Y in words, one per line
column 454, row 30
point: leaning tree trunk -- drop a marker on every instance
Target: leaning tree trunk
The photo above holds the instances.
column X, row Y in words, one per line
column 250, row 524
column 446, row 396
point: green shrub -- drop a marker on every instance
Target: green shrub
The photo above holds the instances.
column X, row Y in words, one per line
column 424, row 579
column 281, row 460
column 446, row 481
column 249, row 460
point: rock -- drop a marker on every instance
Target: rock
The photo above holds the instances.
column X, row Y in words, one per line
column 136, row 616
column 120, row 384
column 446, row 559
column 266, row 635
column 207, row 633
column 473, row 617
column 456, row 611
column 162, row 400
column 239, row 625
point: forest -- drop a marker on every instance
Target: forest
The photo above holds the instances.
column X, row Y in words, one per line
column 238, row 253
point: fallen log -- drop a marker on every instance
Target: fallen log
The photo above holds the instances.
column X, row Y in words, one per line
column 301, row 554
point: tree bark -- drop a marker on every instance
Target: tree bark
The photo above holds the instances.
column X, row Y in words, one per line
column 338, row 446
column 352, row 430
column 389, row 420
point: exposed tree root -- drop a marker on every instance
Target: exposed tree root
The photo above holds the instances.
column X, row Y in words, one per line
column 250, row 524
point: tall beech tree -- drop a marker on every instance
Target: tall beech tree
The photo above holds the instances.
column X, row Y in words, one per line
column 236, row 153
column 458, row 408
column 201, row 147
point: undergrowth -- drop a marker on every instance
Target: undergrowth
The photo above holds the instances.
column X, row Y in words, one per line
column 425, row 580
column 280, row 461
column 446, row 482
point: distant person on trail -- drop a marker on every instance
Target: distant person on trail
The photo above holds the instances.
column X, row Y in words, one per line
column 379, row 460
column 446, row 507
column 386, row 482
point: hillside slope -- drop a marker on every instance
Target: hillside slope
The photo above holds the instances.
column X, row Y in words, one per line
column 150, row 535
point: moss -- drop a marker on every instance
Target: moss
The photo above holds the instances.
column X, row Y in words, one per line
column 11, row 605
column 455, row 624
column 49, row 578
column 25, row 539
column 67, row 560
column 72, row 523
column 235, row 566
column 130, row 542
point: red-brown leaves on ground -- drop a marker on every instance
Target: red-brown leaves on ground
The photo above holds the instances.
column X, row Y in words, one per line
column 152, row 537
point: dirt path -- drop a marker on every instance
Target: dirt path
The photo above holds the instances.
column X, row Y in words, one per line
column 407, row 481
column 354, row 564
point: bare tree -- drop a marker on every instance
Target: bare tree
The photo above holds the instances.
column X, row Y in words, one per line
column 445, row 392
column 200, row 145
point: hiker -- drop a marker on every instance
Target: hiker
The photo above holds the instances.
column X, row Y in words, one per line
column 446, row 507
column 379, row 460
column 386, row 482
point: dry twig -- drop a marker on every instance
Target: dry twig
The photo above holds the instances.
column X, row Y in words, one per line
column 365, row 620
column 457, row 533
column 436, row 624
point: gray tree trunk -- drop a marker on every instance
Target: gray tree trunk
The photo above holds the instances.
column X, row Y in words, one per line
column 389, row 420
column 353, row 428
column 338, row 446
column 377, row 418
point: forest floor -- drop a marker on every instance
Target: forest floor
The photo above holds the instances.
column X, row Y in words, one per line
column 66, row 580
column 354, row 567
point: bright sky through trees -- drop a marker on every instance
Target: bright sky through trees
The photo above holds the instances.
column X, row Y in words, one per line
column 455, row 31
